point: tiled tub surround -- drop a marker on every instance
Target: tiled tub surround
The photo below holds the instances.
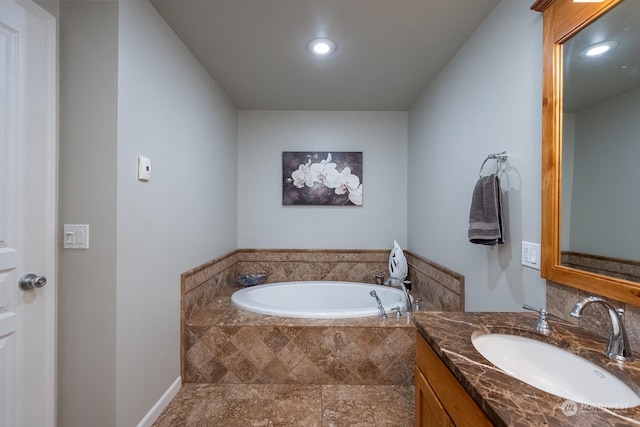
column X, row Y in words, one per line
column 201, row 285
column 505, row 400
column 436, row 285
column 241, row 368
column 228, row 345
column 209, row 322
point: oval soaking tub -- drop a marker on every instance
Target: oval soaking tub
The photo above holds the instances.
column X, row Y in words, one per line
column 318, row 300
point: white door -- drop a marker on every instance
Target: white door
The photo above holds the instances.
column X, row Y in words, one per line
column 27, row 213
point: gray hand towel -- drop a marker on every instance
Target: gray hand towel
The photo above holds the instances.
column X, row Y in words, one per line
column 485, row 216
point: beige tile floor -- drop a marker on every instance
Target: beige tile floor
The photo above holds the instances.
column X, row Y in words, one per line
column 287, row 405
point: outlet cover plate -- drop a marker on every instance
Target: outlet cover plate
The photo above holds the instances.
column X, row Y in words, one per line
column 144, row 168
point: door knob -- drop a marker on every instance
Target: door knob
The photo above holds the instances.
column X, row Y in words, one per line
column 31, row 281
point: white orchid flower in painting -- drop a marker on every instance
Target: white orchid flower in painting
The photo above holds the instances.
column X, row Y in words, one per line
column 355, row 196
column 324, row 173
column 316, row 172
column 346, row 181
column 302, row 176
column 330, row 175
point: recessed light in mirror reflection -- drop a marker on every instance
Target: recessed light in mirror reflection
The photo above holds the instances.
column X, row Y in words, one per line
column 322, row 47
column 599, row 48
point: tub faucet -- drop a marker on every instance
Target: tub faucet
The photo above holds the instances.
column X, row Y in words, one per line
column 618, row 348
column 383, row 314
column 407, row 297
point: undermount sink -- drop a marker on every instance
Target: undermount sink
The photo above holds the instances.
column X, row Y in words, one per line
column 554, row 370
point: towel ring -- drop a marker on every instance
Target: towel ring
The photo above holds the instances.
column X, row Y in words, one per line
column 499, row 157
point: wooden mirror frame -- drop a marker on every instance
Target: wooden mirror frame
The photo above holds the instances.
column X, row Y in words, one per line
column 561, row 20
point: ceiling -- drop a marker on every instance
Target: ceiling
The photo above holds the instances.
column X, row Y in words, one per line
column 388, row 51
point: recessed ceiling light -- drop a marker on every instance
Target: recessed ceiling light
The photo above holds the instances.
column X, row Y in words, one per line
column 321, row 47
column 598, row 48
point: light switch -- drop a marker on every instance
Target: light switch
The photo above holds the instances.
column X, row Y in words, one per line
column 144, row 168
column 531, row 255
column 76, row 236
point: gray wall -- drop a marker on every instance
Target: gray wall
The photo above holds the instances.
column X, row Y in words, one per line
column 487, row 99
column 170, row 110
column 119, row 301
column 88, row 195
column 262, row 220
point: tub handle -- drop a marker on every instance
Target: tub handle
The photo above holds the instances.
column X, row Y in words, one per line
column 398, row 311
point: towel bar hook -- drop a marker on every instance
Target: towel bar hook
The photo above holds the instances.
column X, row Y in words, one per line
column 499, row 157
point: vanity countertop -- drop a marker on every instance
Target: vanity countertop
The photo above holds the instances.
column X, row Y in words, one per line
column 506, row 400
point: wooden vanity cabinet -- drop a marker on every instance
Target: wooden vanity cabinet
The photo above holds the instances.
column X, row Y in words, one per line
column 440, row 398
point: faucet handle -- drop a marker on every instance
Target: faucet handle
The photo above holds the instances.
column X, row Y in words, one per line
column 542, row 325
column 398, row 312
column 542, row 311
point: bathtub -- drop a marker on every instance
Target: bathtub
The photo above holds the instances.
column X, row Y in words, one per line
column 318, row 300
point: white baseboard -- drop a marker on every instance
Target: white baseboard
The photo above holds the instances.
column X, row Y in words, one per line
column 162, row 403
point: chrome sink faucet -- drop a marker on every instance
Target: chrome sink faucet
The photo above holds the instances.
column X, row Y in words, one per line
column 618, row 348
column 390, row 281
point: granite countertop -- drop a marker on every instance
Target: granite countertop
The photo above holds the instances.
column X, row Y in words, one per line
column 506, row 400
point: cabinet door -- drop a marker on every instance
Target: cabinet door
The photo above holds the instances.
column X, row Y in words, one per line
column 429, row 410
column 461, row 408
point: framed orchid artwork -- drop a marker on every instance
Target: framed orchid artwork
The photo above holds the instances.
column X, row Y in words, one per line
column 322, row 178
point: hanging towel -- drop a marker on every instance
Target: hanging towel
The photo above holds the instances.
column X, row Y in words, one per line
column 485, row 217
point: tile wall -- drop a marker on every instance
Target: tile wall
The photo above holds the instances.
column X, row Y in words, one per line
column 561, row 299
column 560, row 302
column 372, row 355
column 437, row 286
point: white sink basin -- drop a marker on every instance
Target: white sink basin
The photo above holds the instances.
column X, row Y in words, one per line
column 556, row 371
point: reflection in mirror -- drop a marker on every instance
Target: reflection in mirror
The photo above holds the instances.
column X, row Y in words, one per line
column 600, row 209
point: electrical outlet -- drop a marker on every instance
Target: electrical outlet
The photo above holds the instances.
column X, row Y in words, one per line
column 144, row 168
column 531, row 255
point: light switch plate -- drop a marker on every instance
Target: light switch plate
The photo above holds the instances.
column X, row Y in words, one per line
column 144, row 168
column 75, row 236
column 531, row 255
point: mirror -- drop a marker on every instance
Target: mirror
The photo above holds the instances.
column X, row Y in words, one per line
column 589, row 157
column 600, row 145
